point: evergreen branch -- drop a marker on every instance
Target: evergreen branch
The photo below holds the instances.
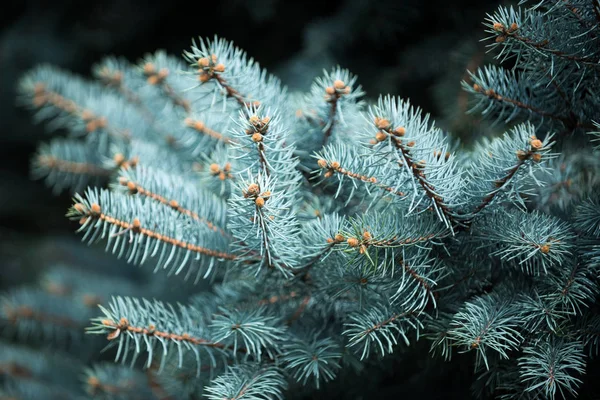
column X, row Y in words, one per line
column 511, row 32
column 67, row 163
column 316, row 358
column 45, row 97
column 247, row 382
column 112, row 381
column 161, row 187
column 114, row 73
column 417, row 169
column 159, row 78
column 535, row 241
column 33, row 313
column 380, row 326
column 487, row 322
column 229, row 69
column 134, row 324
column 332, row 167
column 404, row 135
column 256, row 330
column 95, row 212
column 547, row 366
column 106, row 215
column 72, row 167
column 493, row 95
column 500, row 168
column 200, row 127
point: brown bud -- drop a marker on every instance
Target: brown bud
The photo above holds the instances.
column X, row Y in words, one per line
column 339, row 84
column 329, row 90
column 500, row 39
column 260, row 202
column 136, row 225
column 476, row 87
column 119, row 158
column 91, row 126
column 213, row 58
column 80, row 208
column 227, row 167
column 381, row 123
column 87, row 115
column 498, row 27
column 335, row 164
column 536, row 144
column 214, row 168
column 254, row 120
column 163, row 73
column 149, row 68
column 132, row 187
column 203, row 62
column 253, row 189
column 366, row 235
column 328, row 174
column 329, row 240
column 222, row 175
column 93, row 381
column 373, row 179
column 380, row 136
column 513, row 27
column 353, row 242
column 173, row 204
column 204, row 77
column 521, row 155
column 322, row 163
column 399, row 131
column 96, row 210
column 257, row 137
column 545, row 249
column 153, row 79
column 219, row 68
column 266, row 194
column 537, row 157
column 339, row 237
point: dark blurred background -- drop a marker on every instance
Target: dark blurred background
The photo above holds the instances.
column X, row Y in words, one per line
column 412, row 48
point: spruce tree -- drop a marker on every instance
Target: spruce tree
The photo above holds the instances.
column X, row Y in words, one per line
column 324, row 231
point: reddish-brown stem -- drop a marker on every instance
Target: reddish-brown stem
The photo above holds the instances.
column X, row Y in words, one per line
column 419, row 176
column 422, row 282
column 136, row 188
column 499, row 183
column 542, row 46
column 72, row 167
column 369, row 179
column 231, row 92
column 388, row 321
column 201, row 127
column 157, row 236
